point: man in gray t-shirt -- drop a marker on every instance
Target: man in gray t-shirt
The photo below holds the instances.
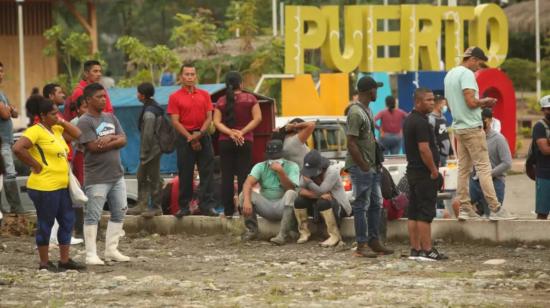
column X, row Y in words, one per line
column 102, row 138
column 101, row 167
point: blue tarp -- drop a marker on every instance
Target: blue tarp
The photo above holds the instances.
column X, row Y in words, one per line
column 127, row 109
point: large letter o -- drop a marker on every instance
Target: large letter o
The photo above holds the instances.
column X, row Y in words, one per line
column 495, row 83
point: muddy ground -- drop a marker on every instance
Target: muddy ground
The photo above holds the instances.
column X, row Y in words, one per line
column 220, row 271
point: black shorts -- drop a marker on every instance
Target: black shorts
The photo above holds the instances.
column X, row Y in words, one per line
column 422, row 196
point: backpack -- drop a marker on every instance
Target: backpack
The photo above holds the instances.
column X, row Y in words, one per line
column 164, row 131
column 387, row 185
column 166, row 134
column 531, row 161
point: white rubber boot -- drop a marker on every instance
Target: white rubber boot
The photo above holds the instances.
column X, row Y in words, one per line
column 90, row 235
column 114, row 232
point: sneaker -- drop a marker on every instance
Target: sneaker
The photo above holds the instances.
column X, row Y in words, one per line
column 50, row 267
column 414, row 254
column 502, row 214
column 70, row 265
column 467, row 213
column 432, row 255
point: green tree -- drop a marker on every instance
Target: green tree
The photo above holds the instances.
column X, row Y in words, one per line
column 522, row 72
column 72, row 48
column 241, row 16
column 195, row 30
column 150, row 62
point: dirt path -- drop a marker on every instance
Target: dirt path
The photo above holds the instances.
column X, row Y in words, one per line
column 220, row 271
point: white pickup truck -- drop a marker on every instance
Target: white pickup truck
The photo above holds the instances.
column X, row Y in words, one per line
column 329, row 138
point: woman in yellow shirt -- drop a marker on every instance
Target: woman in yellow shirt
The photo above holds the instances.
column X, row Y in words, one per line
column 43, row 148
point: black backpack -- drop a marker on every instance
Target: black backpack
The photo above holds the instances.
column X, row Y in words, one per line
column 387, row 185
column 166, row 134
column 164, row 131
column 531, row 161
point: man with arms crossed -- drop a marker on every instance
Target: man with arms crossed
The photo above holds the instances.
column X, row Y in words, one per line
column 102, row 138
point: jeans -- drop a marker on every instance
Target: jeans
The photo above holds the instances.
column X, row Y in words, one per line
column 10, row 184
column 52, row 205
column 368, row 200
column 473, row 152
column 234, row 161
column 476, row 194
column 113, row 193
column 391, row 143
column 187, row 158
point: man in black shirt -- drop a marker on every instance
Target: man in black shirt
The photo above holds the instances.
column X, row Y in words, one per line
column 423, row 176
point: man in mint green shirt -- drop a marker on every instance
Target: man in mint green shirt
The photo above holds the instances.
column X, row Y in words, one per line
column 462, row 93
column 278, row 179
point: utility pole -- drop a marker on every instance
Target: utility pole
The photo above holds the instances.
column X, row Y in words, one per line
column 22, row 75
column 537, row 40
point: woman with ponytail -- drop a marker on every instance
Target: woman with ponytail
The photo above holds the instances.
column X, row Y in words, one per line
column 43, row 148
column 236, row 115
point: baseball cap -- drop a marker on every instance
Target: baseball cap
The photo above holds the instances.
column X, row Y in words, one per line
column 366, row 83
column 314, row 163
column 475, row 52
column 545, row 102
column 274, row 149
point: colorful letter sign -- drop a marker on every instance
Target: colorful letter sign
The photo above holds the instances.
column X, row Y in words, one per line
column 421, row 26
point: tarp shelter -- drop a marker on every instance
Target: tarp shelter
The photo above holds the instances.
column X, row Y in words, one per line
column 127, row 109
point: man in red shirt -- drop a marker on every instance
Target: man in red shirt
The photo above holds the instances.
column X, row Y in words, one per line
column 190, row 110
column 92, row 74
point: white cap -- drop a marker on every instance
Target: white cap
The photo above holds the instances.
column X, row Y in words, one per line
column 545, row 102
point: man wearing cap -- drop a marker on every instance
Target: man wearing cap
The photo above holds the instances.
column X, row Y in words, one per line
column 462, row 93
column 321, row 192
column 541, row 140
column 363, row 166
column 501, row 161
column 278, row 179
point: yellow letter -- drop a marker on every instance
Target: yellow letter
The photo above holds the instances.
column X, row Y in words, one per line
column 299, row 96
column 419, row 43
column 454, row 18
column 492, row 15
column 371, row 62
column 330, row 52
column 296, row 41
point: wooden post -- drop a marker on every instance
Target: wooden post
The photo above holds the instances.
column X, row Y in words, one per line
column 89, row 24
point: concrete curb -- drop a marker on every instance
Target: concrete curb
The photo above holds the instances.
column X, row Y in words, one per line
column 525, row 231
